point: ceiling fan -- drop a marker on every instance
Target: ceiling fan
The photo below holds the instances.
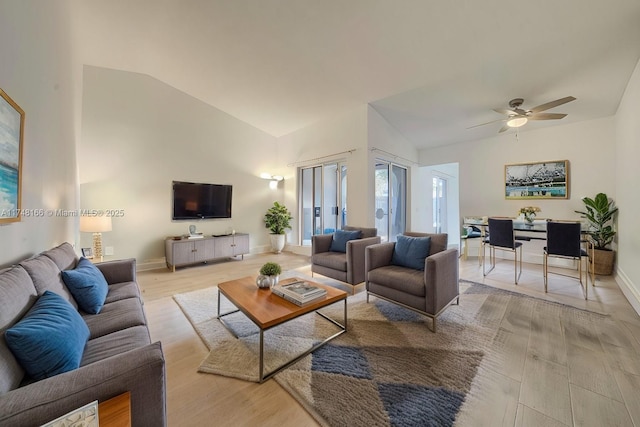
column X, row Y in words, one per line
column 517, row 116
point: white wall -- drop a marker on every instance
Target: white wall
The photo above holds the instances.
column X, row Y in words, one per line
column 450, row 173
column 382, row 136
column 589, row 146
column 38, row 73
column 361, row 129
column 627, row 127
column 310, row 146
column 139, row 134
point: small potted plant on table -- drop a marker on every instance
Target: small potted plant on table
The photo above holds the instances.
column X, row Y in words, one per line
column 269, row 275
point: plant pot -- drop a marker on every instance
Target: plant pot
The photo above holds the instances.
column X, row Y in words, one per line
column 277, row 242
column 603, row 261
column 267, row 282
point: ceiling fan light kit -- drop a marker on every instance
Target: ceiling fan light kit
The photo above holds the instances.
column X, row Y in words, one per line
column 517, row 117
column 516, row 122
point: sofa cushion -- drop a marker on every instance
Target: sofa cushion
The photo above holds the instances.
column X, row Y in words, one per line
column 340, row 239
column 87, row 285
column 115, row 316
column 64, row 256
column 46, row 277
column 17, row 295
column 115, row 343
column 411, row 251
column 122, row 290
column 50, row 338
column 403, row 279
column 332, row 260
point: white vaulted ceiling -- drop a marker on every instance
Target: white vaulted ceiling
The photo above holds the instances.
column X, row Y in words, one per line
column 432, row 68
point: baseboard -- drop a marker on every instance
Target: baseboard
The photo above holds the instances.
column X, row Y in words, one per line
column 630, row 292
column 151, row 264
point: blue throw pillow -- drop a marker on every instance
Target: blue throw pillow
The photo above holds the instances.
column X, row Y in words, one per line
column 87, row 285
column 340, row 239
column 50, row 338
column 411, row 251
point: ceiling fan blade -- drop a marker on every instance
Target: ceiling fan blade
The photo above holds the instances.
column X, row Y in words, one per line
column 547, row 116
column 552, row 104
column 503, row 111
column 488, row 123
column 504, row 129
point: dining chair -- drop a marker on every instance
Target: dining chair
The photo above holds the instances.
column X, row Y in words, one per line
column 501, row 237
column 564, row 240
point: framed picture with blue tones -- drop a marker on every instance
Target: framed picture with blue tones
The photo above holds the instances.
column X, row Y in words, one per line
column 11, row 141
column 541, row 180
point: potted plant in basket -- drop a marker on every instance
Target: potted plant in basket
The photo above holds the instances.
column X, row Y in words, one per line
column 600, row 212
column 269, row 275
column 277, row 220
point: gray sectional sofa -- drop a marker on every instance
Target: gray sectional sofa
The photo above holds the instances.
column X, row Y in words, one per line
column 118, row 357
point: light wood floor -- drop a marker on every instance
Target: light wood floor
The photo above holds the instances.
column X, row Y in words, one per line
column 553, row 376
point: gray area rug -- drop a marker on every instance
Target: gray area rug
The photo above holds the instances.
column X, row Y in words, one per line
column 389, row 369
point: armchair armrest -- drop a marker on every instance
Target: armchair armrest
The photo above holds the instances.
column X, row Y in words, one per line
column 118, row 271
column 441, row 279
column 140, row 371
column 356, row 258
column 320, row 243
column 378, row 255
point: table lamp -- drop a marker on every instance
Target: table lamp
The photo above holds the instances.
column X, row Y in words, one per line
column 96, row 225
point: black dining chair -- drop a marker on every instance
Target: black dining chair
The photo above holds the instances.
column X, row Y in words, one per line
column 564, row 240
column 501, row 237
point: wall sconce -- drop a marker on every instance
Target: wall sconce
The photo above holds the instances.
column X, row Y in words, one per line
column 273, row 179
column 96, row 225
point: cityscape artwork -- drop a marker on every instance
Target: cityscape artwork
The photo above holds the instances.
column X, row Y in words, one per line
column 543, row 180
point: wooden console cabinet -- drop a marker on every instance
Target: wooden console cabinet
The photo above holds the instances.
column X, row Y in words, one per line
column 193, row 251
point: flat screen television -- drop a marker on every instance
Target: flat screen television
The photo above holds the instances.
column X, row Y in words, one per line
column 193, row 200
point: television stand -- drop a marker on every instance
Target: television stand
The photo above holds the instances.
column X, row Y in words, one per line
column 186, row 251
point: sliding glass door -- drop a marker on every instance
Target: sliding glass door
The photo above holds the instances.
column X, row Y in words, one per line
column 323, row 198
column 391, row 200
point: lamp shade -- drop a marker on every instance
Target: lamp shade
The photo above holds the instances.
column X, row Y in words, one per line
column 95, row 224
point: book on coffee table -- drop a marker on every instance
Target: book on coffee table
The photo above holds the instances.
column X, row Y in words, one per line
column 299, row 292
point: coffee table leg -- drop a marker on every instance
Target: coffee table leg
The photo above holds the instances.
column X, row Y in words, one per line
column 218, row 314
column 261, row 355
column 345, row 315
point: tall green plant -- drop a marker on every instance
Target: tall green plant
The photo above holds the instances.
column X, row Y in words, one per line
column 600, row 214
column 277, row 219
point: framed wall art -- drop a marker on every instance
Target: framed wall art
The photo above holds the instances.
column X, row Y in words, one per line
column 11, row 141
column 541, row 180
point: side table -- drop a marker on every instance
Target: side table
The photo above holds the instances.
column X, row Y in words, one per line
column 115, row 412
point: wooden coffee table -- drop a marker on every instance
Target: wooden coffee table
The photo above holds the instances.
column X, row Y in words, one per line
column 268, row 310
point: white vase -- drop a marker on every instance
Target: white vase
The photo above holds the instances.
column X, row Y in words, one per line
column 277, row 242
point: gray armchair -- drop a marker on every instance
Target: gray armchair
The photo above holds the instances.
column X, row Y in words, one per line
column 427, row 292
column 347, row 267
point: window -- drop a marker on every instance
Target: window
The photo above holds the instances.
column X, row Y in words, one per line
column 439, row 204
